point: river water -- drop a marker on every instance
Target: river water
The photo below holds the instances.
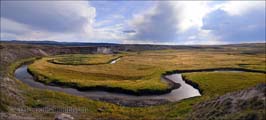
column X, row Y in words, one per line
column 183, row 92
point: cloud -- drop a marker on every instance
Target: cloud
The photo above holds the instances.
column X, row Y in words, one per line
column 53, row 20
column 157, row 24
column 241, row 7
column 10, row 26
column 236, row 22
column 34, row 20
column 169, row 22
column 12, row 30
column 129, row 31
column 54, row 16
column 200, row 23
column 160, row 22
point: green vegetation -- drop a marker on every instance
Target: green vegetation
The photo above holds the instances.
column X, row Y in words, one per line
column 216, row 84
column 135, row 72
column 136, row 68
column 81, row 59
column 3, row 108
column 17, row 64
column 129, row 77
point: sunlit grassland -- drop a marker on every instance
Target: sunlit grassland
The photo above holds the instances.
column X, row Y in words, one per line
column 212, row 84
column 138, row 71
column 79, row 59
column 218, row 83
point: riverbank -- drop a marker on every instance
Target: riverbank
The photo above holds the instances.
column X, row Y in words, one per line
column 123, row 99
column 17, row 96
column 81, row 59
column 139, row 92
column 136, row 80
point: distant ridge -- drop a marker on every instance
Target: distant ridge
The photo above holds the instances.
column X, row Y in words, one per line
column 60, row 43
column 55, row 43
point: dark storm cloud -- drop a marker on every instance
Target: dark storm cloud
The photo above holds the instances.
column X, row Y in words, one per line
column 158, row 26
column 129, row 31
column 48, row 16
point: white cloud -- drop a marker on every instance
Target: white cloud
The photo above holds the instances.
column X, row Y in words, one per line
column 52, row 20
column 187, row 22
column 241, row 7
column 191, row 13
column 55, row 16
column 170, row 22
column 157, row 24
column 237, row 21
column 165, row 22
column 109, row 21
column 12, row 26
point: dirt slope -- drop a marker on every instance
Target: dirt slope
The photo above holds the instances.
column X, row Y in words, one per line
column 247, row 104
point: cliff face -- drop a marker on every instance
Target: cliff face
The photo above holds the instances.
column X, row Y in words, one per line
column 9, row 53
column 12, row 52
column 104, row 50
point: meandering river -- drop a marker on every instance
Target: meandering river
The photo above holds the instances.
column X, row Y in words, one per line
column 183, row 92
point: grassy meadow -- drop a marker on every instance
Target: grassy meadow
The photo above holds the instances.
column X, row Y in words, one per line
column 135, row 71
column 142, row 70
column 79, row 59
column 212, row 84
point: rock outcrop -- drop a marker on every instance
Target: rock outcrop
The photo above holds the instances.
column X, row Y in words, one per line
column 63, row 116
column 104, row 50
column 248, row 104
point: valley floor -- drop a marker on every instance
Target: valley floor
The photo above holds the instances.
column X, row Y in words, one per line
column 21, row 101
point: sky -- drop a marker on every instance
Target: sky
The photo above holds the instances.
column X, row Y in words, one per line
column 135, row 22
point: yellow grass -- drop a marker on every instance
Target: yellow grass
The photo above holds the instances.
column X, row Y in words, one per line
column 138, row 71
